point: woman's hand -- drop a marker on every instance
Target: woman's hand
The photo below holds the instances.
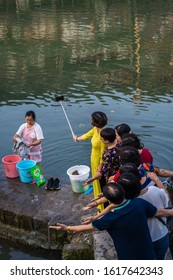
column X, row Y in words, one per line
column 59, row 227
column 35, row 143
column 75, row 138
column 88, row 181
column 90, row 206
column 29, row 145
column 111, row 179
column 153, row 176
column 100, row 195
column 88, row 220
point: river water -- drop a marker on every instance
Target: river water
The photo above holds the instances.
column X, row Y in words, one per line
column 110, row 56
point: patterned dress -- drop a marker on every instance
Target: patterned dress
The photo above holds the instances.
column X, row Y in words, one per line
column 110, row 163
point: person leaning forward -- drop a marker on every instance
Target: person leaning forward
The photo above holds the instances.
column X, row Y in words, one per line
column 126, row 224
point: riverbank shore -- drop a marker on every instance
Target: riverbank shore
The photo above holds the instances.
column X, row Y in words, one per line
column 26, row 210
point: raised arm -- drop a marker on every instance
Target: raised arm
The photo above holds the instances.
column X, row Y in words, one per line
column 161, row 212
column 95, row 203
column 99, row 215
column 156, row 179
column 77, row 228
column 84, row 137
column 165, row 173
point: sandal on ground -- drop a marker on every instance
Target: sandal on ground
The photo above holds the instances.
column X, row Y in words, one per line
column 56, row 185
column 49, row 185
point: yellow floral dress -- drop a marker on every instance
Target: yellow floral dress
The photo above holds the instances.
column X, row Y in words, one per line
column 98, row 148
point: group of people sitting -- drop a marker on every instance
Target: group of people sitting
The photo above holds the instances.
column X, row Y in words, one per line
column 132, row 201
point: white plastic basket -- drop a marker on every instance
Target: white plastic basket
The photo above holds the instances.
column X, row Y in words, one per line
column 77, row 181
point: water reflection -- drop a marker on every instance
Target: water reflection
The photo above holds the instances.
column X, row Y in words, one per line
column 112, row 56
column 50, row 43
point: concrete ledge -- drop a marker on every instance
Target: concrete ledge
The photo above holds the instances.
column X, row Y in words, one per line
column 26, row 210
column 103, row 247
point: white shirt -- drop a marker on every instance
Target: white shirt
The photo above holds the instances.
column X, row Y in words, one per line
column 159, row 198
column 37, row 128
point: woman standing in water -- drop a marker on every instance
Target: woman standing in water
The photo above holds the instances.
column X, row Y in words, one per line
column 31, row 134
column 98, row 120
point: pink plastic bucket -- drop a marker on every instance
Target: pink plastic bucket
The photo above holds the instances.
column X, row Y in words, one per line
column 10, row 165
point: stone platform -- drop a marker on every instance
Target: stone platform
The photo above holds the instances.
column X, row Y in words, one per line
column 26, row 210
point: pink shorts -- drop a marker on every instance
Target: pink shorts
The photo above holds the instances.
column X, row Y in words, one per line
column 37, row 158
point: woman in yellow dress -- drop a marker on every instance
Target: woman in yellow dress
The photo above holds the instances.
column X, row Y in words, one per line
column 98, row 120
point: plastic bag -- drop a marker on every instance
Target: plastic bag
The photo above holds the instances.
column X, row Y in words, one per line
column 37, row 175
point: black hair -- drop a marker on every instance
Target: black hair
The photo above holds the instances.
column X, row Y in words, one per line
column 130, row 168
column 108, row 134
column 131, row 139
column 114, row 192
column 30, row 114
column 123, row 128
column 129, row 154
column 131, row 185
column 99, row 119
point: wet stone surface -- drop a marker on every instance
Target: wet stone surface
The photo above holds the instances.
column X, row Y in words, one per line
column 26, row 210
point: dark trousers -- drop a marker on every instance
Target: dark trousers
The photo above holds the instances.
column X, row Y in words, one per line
column 102, row 184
